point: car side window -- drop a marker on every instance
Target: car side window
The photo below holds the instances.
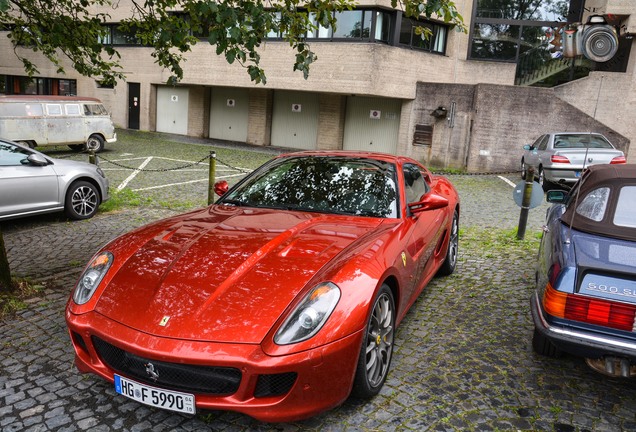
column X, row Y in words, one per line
column 544, row 143
column 11, row 155
column 536, row 143
column 414, row 184
column 625, row 214
column 594, row 204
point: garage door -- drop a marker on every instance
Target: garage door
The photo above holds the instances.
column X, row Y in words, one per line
column 172, row 110
column 295, row 120
column 229, row 114
column 372, row 124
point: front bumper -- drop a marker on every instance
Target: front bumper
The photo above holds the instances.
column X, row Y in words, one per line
column 580, row 342
column 324, row 375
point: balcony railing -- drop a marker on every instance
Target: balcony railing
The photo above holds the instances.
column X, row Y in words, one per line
column 539, row 64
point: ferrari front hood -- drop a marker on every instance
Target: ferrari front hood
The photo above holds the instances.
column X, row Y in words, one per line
column 225, row 274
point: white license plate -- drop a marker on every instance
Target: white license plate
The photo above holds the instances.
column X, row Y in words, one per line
column 153, row 396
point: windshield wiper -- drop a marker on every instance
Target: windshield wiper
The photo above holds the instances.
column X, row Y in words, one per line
column 233, row 202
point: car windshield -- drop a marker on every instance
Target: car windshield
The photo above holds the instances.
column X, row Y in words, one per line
column 574, row 141
column 353, row 186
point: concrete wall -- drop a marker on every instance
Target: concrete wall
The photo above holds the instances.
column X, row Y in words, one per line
column 608, row 97
column 493, row 122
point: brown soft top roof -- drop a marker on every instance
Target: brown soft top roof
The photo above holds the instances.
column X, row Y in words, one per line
column 594, row 177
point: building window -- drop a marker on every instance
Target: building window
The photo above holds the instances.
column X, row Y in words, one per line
column 116, row 34
column 436, row 42
column 355, row 24
column 39, row 86
column 382, row 26
column 505, row 29
column 495, row 42
column 361, row 25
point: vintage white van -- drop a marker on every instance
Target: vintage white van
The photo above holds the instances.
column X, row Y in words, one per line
column 79, row 122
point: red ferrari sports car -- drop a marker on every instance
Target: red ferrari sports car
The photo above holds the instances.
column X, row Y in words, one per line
column 279, row 300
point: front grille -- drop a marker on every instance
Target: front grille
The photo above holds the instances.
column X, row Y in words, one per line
column 274, row 385
column 175, row 376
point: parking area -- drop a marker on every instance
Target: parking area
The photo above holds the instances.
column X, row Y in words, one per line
column 463, row 358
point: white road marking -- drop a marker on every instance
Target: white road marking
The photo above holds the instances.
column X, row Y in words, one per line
column 220, row 168
column 186, row 182
column 507, row 181
column 134, row 174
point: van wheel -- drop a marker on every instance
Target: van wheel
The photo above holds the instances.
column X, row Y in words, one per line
column 76, row 147
column 29, row 144
column 95, row 143
column 82, row 200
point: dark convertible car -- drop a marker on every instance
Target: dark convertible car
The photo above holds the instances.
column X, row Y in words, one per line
column 585, row 302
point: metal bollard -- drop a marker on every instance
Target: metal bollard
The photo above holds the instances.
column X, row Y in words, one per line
column 525, row 204
column 211, row 177
column 92, row 158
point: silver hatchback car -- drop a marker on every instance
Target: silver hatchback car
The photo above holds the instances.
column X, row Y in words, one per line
column 32, row 183
column 559, row 157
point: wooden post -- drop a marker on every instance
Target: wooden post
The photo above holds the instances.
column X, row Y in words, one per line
column 211, row 177
column 525, row 204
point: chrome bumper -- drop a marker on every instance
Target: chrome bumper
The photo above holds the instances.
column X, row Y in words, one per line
column 559, row 335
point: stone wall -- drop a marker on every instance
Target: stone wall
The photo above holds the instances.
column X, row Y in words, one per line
column 493, row 122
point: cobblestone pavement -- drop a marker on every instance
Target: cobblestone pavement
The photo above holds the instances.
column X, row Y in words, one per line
column 463, row 358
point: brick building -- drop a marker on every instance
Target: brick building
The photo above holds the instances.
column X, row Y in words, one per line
column 466, row 101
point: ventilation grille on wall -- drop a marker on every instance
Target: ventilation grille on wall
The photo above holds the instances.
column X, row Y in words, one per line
column 423, row 135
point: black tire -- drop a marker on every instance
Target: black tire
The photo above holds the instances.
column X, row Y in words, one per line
column 81, row 201
column 76, row 147
column 29, row 144
column 95, row 143
column 450, row 262
column 377, row 346
column 542, row 345
column 524, row 170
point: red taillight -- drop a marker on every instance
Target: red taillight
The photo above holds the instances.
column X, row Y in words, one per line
column 559, row 159
column 589, row 310
column 618, row 160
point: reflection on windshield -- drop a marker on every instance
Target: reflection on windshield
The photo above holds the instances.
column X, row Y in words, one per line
column 362, row 187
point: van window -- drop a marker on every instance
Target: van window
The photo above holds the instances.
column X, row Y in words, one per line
column 72, row 109
column 34, row 110
column 54, row 109
column 12, row 110
column 20, row 110
column 95, row 109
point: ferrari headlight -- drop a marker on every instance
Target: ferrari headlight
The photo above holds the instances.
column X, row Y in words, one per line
column 310, row 315
column 92, row 276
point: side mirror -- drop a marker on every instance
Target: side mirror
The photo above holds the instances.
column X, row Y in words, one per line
column 37, row 160
column 429, row 201
column 556, row 196
column 527, row 147
column 221, row 187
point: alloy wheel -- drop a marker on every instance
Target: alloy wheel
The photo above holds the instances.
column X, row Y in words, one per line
column 84, row 201
column 379, row 345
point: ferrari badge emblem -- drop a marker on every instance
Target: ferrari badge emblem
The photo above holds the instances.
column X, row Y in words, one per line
column 164, row 321
column 152, row 372
column 404, row 259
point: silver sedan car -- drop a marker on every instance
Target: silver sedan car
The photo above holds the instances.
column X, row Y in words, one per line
column 32, row 183
column 559, row 157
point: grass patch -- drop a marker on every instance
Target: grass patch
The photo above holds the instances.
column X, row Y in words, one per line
column 499, row 240
column 124, row 198
column 21, row 290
